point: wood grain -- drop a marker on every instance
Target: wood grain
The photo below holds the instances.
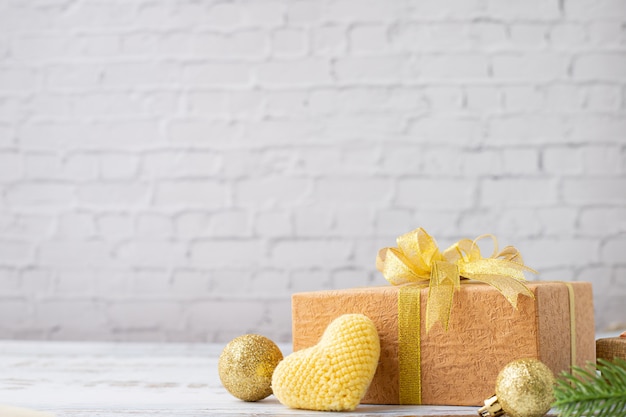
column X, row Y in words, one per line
column 140, row 380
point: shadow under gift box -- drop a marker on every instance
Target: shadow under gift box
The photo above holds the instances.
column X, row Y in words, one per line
column 460, row 366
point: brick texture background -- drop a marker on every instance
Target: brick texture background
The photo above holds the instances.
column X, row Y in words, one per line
column 174, row 170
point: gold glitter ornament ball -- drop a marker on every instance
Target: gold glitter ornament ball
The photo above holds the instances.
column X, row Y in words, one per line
column 246, row 366
column 525, row 388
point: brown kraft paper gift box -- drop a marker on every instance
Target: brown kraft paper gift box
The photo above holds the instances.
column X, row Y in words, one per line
column 460, row 366
column 611, row 347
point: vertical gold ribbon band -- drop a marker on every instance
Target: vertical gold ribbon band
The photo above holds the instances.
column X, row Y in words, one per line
column 409, row 349
column 572, row 322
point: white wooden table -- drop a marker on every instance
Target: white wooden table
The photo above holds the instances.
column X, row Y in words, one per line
column 112, row 380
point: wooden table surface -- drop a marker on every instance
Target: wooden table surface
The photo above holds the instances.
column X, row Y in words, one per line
column 111, row 380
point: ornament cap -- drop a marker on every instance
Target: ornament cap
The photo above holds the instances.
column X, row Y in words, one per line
column 491, row 408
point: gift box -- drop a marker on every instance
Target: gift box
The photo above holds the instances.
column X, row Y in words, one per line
column 610, row 348
column 457, row 365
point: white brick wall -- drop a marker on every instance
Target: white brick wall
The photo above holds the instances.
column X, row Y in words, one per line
column 176, row 170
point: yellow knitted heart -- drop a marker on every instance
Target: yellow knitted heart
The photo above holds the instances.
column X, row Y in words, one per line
column 334, row 374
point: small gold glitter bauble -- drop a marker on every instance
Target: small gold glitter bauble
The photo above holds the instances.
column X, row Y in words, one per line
column 525, row 388
column 246, row 366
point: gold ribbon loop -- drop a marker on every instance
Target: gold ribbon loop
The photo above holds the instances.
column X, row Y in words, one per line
column 418, row 259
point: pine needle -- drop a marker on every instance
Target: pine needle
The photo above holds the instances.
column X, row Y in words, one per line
column 586, row 392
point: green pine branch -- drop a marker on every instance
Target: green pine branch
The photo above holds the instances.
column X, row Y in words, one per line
column 586, row 392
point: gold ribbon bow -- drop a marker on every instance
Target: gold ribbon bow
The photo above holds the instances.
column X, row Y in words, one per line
column 418, row 259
